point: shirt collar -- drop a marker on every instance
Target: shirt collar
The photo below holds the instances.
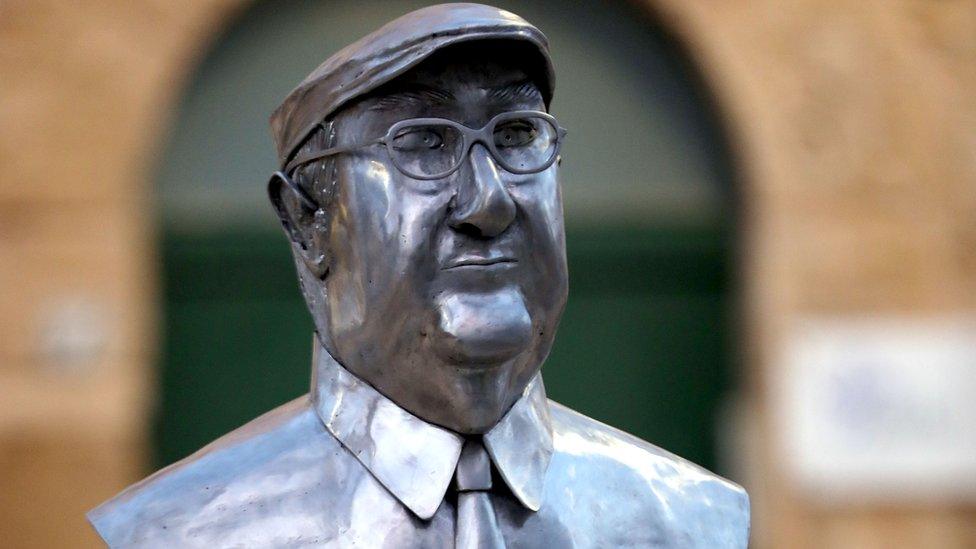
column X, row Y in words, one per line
column 415, row 460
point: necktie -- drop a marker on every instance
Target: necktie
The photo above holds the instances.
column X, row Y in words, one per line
column 476, row 526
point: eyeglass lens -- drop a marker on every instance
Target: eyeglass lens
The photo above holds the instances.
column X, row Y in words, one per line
column 521, row 145
column 524, row 144
column 426, row 149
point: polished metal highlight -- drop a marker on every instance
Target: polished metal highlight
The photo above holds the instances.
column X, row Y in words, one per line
column 435, row 302
column 392, row 50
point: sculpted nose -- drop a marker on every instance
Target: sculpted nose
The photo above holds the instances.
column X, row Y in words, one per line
column 483, row 207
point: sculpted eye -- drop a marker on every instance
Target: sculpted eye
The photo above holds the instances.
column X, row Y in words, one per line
column 417, row 139
column 516, row 133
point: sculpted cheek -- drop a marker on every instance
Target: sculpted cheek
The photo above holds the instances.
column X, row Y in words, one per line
column 375, row 202
column 422, row 228
column 541, row 203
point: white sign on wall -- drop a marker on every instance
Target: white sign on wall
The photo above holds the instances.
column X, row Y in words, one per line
column 874, row 409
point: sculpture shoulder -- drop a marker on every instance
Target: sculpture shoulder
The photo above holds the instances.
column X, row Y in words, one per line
column 691, row 506
column 220, row 483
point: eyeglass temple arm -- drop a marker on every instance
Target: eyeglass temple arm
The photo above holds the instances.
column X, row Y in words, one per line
column 323, row 153
column 307, row 202
column 302, row 159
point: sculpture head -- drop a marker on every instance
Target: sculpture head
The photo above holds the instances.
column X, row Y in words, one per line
column 431, row 252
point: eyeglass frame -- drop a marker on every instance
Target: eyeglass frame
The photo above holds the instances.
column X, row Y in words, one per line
column 470, row 137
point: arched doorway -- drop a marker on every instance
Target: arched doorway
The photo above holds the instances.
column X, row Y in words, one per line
column 644, row 343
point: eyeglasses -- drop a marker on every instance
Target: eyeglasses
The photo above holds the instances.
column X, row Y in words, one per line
column 521, row 142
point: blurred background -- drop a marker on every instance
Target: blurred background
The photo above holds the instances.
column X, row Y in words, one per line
column 771, row 229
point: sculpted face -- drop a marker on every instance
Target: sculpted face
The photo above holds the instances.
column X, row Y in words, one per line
column 443, row 294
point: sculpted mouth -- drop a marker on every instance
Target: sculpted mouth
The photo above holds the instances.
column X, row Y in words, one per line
column 478, row 261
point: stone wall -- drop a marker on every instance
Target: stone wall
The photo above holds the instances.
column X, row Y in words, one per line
column 85, row 93
column 855, row 126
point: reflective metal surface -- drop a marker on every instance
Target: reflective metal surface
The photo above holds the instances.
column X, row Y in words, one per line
column 391, row 51
column 416, row 460
column 435, row 304
column 284, row 480
column 443, row 295
column 476, row 526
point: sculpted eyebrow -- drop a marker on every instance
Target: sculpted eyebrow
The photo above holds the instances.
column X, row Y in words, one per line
column 525, row 89
column 414, row 95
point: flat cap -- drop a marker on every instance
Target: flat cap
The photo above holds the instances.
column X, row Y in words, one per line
column 387, row 53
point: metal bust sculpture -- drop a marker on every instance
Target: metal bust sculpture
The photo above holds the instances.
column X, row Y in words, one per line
column 419, row 189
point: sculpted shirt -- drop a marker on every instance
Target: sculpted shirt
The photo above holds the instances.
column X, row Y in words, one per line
column 346, row 467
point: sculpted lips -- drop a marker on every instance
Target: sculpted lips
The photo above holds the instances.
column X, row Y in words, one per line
column 479, row 261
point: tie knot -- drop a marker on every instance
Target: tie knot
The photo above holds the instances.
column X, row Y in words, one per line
column 474, row 468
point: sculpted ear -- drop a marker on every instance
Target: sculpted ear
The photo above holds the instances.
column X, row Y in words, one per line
column 305, row 223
